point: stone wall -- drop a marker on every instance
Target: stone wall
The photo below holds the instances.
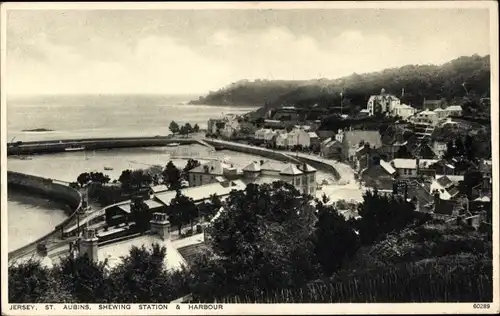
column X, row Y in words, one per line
column 49, row 188
column 275, row 155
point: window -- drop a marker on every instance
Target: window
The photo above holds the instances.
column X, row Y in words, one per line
column 297, row 181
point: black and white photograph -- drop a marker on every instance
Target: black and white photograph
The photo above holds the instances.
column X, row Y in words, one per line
column 186, row 157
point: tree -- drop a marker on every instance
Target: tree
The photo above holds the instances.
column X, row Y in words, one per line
column 172, row 176
column 263, row 242
column 335, row 240
column 459, row 145
column 83, row 179
column 470, row 148
column 140, row 213
column 191, row 164
column 126, row 179
column 86, row 280
column 196, row 128
column 174, row 127
column 142, row 277
column 209, row 209
column 381, row 214
column 182, row 210
column 451, row 151
column 30, row 282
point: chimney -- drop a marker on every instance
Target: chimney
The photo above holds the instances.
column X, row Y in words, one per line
column 89, row 244
column 41, row 250
column 160, row 225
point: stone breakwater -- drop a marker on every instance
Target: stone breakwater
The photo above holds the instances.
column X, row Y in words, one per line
column 54, row 146
column 51, row 189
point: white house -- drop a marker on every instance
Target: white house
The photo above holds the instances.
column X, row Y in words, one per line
column 303, row 138
column 282, row 140
column 446, row 187
column 455, row 110
column 383, row 103
column 403, row 110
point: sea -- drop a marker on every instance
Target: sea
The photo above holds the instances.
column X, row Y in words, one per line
column 78, row 116
column 87, row 116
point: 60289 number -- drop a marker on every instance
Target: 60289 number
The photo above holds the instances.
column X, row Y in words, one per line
column 481, row 306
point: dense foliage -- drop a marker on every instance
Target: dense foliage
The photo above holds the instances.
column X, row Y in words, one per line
column 269, row 243
column 419, row 82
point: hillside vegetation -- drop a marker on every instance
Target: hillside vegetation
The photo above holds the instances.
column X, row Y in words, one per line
column 418, row 81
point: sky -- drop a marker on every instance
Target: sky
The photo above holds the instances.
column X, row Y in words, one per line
column 195, row 51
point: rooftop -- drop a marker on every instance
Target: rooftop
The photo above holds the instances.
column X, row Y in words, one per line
column 115, row 252
column 387, row 166
column 371, row 137
column 214, row 167
column 291, row 169
column 159, row 188
column 203, row 192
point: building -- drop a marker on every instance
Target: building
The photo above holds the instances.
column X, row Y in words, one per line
column 403, row 110
column 445, row 187
column 211, row 172
column 265, row 134
column 424, row 123
column 159, row 233
column 439, row 148
column 314, row 138
column 379, row 175
column 214, row 125
column 383, row 103
column 453, row 110
column 431, row 105
column 301, row 176
column 353, row 140
column 412, row 168
column 331, row 149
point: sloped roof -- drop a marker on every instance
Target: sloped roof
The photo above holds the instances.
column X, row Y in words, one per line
column 444, row 181
column 312, row 135
column 326, row 141
column 253, row 167
column 387, row 166
column 371, row 137
column 291, row 169
column 116, row 251
column 215, row 167
column 333, row 142
column 159, row 188
column 454, row 108
column 306, row 168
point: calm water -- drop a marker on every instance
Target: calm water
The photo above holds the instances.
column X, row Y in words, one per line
column 105, row 115
column 90, row 116
column 31, row 217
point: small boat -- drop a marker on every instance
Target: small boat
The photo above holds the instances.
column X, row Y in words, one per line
column 173, row 145
column 108, row 168
column 75, row 148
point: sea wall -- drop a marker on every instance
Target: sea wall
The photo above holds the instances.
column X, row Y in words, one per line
column 49, row 188
column 253, row 150
column 54, row 146
column 274, row 154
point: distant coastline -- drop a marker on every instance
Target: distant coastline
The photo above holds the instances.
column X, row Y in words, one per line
column 38, row 130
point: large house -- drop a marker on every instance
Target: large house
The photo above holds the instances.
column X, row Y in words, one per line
column 211, row 172
column 403, row 110
column 301, row 176
column 383, row 103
